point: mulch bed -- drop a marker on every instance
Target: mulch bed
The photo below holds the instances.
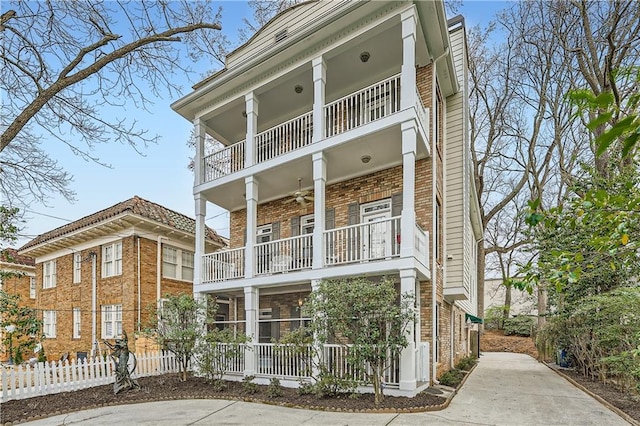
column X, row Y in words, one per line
column 627, row 402
column 168, row 387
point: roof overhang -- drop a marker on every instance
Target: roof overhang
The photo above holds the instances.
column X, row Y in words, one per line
column 114, row 226
column 433, row 23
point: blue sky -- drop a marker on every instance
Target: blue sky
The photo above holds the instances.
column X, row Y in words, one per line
column 161, row 175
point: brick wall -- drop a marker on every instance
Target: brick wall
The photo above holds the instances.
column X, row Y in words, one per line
column 115, row 290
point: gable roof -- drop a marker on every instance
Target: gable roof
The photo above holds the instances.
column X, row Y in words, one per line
column 136, row 206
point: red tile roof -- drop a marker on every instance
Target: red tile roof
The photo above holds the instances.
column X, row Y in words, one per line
column 11, row 255
column 137, row 206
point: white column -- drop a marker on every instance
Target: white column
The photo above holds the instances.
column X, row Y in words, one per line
column 319, row 184
column 408, row 70
column 408, row 219
column 198, row 166
column 251, row 109
column 408, row 380
column 319, row 82
column 317, row 353
column 251, row 328
column 252, row 220
column 201, row 212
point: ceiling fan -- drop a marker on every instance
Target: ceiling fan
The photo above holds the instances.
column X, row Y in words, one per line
column 300, row 196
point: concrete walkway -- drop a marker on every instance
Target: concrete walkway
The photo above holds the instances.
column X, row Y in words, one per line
column 504, row 389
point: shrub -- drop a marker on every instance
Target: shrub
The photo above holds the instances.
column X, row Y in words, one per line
column 494, row 318
column 274, row 390
column 219, row 385
column 452, row 378
column 521, row 325
column 466, row 363
column 248, row 386
column 306, row 388
column 41, row 355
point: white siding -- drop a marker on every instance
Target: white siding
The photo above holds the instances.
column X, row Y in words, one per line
column 293, row 20
column 461, row 269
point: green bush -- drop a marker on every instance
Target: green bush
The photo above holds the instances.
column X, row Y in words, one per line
column 248, row 386
column 494, row 318
column 219, row 385
column 274, row 390
column 602, row 336
column 452, row 378
column 521, row 325
column 466, row 363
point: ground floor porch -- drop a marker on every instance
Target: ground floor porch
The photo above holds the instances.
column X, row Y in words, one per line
column 267, row 313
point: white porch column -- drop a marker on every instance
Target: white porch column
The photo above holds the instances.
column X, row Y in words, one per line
column 198, row 166
column 252, row 220
column 319, row 184
column 408, row 219
column 251, row 328
column 319, row 82
column 408, row 70
column 201, row 212
column 408, row 374
column 251, row 109
column 317, row 353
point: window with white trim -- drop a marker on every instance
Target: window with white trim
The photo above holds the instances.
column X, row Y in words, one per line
column 177, row 263
column 77, row 266
column 112, row 259
column 76, row 323
column 49, row 274
column 32, row 287
column 111, row 321
column 49, row 324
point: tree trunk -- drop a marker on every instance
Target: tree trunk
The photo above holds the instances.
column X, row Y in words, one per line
column 507, row 304
column 480, row 279
column 542, row 318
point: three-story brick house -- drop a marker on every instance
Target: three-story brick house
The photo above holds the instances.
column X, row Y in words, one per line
column 345, row 153
column 105, row 272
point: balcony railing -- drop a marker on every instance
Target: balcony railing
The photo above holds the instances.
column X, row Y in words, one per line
column 288, row 361
column 363, row 242
column 223, row 265
column 224, row 162
column 422, row 245
column 285, row 137
column 357, row 109
column 288, row 254
column 423, row 115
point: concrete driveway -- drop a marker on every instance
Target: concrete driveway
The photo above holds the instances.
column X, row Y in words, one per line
column 504, row 389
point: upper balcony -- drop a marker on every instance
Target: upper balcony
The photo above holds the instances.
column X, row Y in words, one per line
column 361, row 243
column 363, row 123
column 354, row 110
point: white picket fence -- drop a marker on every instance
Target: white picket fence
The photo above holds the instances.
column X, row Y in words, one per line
column 25, row 381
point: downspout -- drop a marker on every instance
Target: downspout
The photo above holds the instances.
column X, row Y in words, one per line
column 139, row 297
column 434, row 263
column 94, row 304
column 159, row 274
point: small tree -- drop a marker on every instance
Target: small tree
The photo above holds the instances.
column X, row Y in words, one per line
column 22, row 329
column 370, row 319
column 178, row 326
column 216, row 351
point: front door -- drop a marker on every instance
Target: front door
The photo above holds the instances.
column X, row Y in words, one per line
column 377, row 230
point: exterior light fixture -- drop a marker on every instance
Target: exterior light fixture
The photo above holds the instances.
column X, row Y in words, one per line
column 298, row 88
column 244, row 114
column 364, row 57
column 365, row 159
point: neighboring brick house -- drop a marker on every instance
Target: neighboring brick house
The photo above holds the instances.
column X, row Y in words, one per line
column 138, row 252
column 17, row 277
column 346, row 153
